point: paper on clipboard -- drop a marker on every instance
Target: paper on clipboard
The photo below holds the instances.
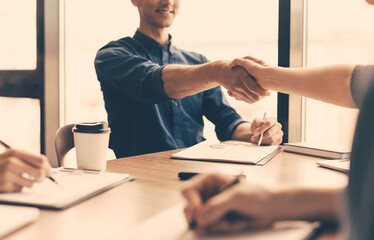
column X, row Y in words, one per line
column 76, row 187
column 229, row 151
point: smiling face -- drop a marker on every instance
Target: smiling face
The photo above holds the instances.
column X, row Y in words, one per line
column 157, row 13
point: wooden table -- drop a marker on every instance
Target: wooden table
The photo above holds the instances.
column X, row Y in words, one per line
column 113, row 213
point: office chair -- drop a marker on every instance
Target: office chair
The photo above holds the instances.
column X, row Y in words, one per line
column 64, row 142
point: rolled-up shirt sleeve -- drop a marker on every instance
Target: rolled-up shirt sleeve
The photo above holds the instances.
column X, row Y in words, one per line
column 218, row 111
column 132, row 75
column 361, row 80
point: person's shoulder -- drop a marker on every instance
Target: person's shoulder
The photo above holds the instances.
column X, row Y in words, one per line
column 120, row 47
column 192, row 57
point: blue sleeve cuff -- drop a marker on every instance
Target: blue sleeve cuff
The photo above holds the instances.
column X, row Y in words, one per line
column 230, row 129
column 159, row 93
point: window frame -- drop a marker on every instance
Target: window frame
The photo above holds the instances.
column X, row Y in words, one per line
column 292, row 53
column 29, row 83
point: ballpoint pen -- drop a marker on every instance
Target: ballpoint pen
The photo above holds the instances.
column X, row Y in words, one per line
column 9, row 147
column 187, row 175
column 224, row 187
column 262, row 134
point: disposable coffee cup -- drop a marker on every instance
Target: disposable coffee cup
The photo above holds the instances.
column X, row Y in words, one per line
column 91, row 140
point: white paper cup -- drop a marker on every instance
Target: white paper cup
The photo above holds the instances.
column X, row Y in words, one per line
column 91, row 142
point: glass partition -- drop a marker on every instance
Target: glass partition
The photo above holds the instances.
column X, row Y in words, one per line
column 20, row 123
column 339, row 31
column 18, row 34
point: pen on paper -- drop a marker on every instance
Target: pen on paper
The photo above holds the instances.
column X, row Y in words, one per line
column 9, row 147
column 262, row 134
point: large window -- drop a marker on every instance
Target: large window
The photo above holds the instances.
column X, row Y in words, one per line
column 21, row 74
column 231, row 30
column 85, row 34
column 18, row 34
column 339, row 31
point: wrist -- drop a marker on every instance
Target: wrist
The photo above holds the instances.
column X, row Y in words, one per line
column 243, row 132
column 268, row 77
column 217, row 71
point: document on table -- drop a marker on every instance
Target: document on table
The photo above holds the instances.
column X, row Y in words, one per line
column 75, row 187
column 171, row 225
column 14, row 217
column 229, row 151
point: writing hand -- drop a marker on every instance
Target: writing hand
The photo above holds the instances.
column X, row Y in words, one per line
column 270, row 127
column 14, row 164
column 239, row 207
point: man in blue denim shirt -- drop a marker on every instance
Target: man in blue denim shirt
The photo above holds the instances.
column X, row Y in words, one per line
column 156, row 94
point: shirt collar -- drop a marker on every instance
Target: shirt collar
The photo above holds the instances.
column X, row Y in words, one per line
column 152, row 44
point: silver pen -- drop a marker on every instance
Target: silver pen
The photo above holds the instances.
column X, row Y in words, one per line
column 262, row 134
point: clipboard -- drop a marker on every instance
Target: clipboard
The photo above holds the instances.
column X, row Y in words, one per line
column 77, row 186
column 230, row 151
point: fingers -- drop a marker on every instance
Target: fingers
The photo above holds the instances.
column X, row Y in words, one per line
column 245, row 88
column 275, row 139
column 271, row 129
column 19, row 167
column 8, row 187
column 15, row 164
column 225, row 226
column 39, row 162
column 11, row 179
column 34, row 160
column 256, row 60
column 198, row 189
column 217, row 207
column 249, row 66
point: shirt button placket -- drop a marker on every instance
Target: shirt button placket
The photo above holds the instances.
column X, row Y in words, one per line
column 177, row 132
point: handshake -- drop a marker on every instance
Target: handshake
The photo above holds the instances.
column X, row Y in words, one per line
column 244, row 78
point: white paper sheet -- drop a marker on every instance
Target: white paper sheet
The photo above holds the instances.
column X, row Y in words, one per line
column 171, row 225
column 231, row 151
column 75, row 186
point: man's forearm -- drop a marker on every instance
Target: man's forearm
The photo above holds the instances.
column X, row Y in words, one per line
column 185, row 80
column 329, row 84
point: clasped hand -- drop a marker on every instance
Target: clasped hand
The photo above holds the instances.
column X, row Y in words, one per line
column 240, row 82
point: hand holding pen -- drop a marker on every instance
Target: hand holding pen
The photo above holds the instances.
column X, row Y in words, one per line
column 20, row 169
column 211, row 209
column 201, row 190
column 266, row 131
